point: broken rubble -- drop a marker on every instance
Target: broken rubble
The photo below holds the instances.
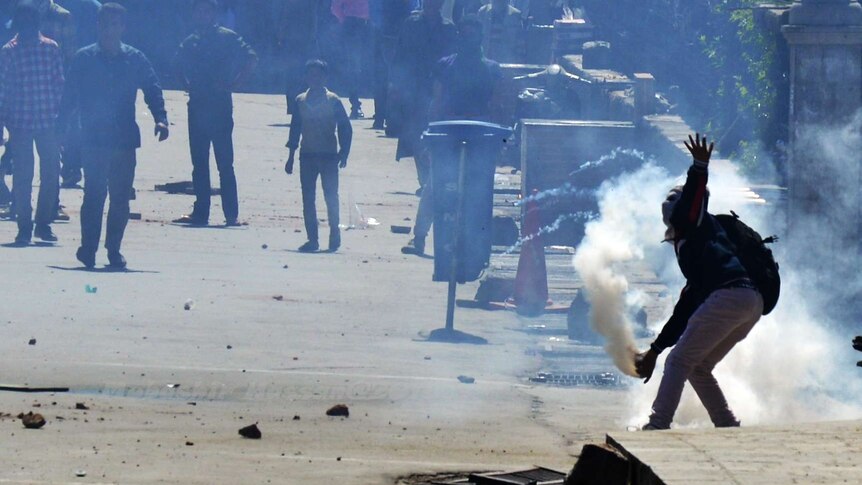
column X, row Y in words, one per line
column 32, row 421
column 251, row 432
column 339, row 410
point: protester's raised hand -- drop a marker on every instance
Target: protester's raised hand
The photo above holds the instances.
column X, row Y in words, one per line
column 161, row 131
column 699, row 148
column 645, row 364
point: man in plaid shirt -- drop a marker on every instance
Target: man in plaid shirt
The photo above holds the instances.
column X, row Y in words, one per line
column 31, row 87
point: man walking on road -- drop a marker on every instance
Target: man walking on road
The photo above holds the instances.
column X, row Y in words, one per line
column 101, row 88
column 31, row 87
column 213, row 61
column 319, row 116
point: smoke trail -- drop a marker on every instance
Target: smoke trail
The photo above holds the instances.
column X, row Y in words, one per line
column 613, row 240
column 550, row 228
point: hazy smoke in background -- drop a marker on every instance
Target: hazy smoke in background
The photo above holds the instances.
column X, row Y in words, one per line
column 793, row 366
column 610, row 242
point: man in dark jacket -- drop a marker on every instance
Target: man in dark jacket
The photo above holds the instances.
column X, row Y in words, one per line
column 426, row 37
column 213, row 62
column 717, row 308
column 101, row 88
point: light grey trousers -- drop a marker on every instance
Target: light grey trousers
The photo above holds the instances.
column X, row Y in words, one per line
column 723, row 320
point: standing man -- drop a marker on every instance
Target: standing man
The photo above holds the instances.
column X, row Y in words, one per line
column 318, row 118
column 426, row 37
column 503, row 31
column 102, row 85
column 353, row 16
column 31, row 88
column 84, row 14
column 387, row 17
column 464, row 88
column 214, row 61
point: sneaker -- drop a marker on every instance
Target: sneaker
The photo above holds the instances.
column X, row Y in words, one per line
column 357, row 114
column 232, row 223
column 651, row 427
column 44, row 232
column 378, row 124
column 71, row 179
column 191, row 220
column 415, row 246
column 116, row 260
column 334, row 240
column 61, row 214
column 309, row 247
column 87, row 258
column 24, row 236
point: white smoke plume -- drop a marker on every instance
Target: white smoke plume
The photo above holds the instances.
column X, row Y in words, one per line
column 610, row 242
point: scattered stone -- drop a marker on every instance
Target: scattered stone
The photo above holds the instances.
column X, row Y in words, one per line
column 229, row 347
column 339, row 410
column 296, row 418
column 80, row 473
column 284, row 267
column 466, row 379
column 338, row 458
column 192, row 403
column 427, row 357
column 278, row 297
column 189, row 304
column 251, row 432
column 32, row 341
column 189, row 443
column 264, row 246
column 173, row 386
column 32, row 421
column 81, row 406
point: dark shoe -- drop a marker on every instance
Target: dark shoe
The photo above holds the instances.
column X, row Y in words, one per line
column 419, row 192
column 309, row 247
column 24, row 236
column 61, row 215
column 116, row 260
column 44, row 232
column 71, row 179
column 357, row 114
column 232, row 223
column 334, row 240
column 378, row 124
column 191, row 220
column 87, row 258
column 415, row 246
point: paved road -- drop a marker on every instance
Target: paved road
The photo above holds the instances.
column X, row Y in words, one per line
column 346, row 329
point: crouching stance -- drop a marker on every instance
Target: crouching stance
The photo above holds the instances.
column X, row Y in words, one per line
column 718, row 306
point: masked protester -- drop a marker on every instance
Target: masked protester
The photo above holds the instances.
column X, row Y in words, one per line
column 718, row 306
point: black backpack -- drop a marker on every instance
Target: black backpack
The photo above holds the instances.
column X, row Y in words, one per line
column 755, row 257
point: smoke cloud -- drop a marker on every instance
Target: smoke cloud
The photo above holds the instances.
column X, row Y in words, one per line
column 610, row 242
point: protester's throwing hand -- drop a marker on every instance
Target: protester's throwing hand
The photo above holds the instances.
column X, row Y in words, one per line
column 700, row 150
column 161, row 131
column 645, row 364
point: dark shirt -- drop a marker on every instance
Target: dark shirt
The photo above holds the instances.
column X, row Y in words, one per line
column 424, row 40
column 210, row 61
column 101, row 91
column 468, row 86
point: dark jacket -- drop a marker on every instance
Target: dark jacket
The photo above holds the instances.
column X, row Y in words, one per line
column 704, row 253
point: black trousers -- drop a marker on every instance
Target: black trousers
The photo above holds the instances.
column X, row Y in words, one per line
column 211, row 124
column 309, row 171
column 107, row 172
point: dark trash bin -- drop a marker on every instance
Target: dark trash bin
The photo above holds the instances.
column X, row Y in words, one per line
column 463, row 160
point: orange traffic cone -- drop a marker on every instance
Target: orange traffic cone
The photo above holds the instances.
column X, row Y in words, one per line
column 531, row 281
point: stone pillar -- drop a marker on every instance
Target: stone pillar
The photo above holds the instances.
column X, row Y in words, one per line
column 823, row 172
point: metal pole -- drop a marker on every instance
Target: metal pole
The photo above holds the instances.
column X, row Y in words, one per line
column 456, row 243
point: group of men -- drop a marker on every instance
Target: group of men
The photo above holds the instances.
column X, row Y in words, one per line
column 89, row 102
